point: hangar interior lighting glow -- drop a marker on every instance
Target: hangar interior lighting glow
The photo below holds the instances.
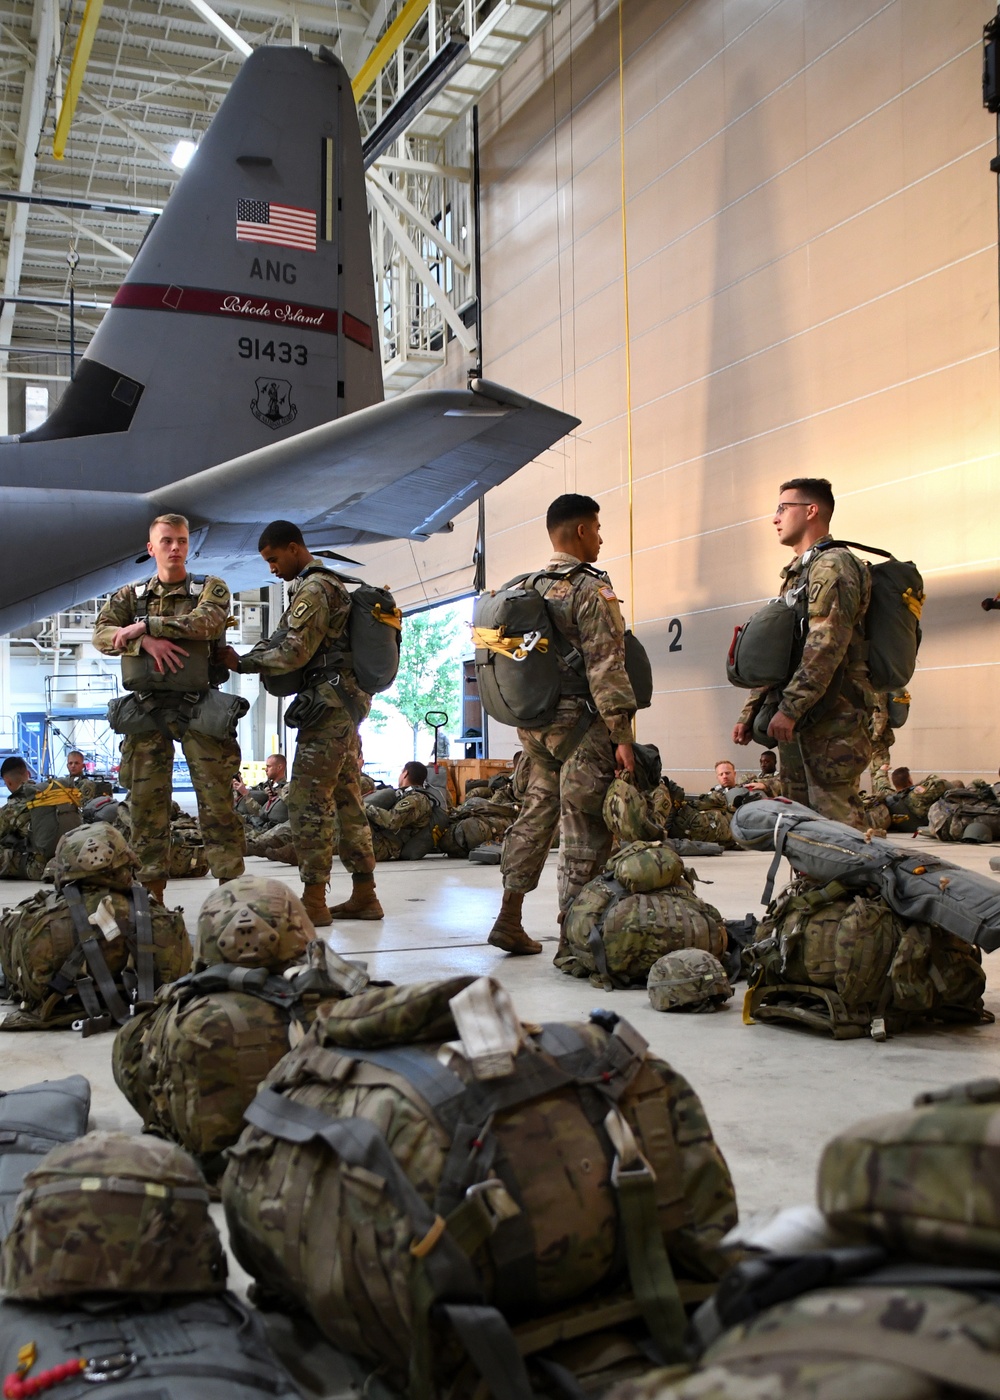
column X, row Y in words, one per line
column 182, row 153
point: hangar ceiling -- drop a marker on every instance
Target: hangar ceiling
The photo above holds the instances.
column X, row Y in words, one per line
column 155, row 76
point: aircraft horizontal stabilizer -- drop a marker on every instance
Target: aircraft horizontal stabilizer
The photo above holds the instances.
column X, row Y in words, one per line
column 399, row 468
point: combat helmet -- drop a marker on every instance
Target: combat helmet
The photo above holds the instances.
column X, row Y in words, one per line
column 978, row 832
column 97, row 854
column 252, row 922
column 688, row 979
column 112, row 1213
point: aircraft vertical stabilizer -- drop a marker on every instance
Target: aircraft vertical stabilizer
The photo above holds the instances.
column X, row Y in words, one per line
column 249, row 312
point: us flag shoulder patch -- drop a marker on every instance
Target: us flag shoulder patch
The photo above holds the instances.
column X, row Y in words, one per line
column 262, row 221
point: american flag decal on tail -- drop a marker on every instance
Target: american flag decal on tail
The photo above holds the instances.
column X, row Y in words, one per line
column 261, row 221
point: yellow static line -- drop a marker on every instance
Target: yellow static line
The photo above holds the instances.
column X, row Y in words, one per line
column 390, row 41
column 81, row 57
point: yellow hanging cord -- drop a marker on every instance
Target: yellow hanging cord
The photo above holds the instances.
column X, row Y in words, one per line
column 628, row 333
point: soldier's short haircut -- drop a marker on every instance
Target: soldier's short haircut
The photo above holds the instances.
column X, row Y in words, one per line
column 74, row 753
column 281, row 759
column 816, row 490
column 416, row 772
column 279, row 534
column 721, row 761
column 769, row 753
column 174, row 520
column 568, row 508
column 901, row 777
column 14, row 764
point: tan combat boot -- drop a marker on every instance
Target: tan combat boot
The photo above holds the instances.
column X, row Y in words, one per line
column 156, row 887
column 314, row 903
column 363, row 903
column 508, row 932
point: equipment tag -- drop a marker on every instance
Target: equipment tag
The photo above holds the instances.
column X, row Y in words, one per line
column 103, row 919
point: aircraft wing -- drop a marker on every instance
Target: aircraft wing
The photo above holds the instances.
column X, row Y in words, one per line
column 401, row 468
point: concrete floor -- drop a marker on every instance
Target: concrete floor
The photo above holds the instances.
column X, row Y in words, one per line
column 774, row 1096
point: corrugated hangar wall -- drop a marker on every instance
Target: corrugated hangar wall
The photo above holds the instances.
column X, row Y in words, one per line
column 811, row 227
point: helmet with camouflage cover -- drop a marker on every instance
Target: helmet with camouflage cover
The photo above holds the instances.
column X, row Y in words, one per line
column 252, row 922
column 97, row 854
column 112, row 1213
column 689, row 979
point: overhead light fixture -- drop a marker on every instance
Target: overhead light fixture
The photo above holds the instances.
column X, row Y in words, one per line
column 182, row 153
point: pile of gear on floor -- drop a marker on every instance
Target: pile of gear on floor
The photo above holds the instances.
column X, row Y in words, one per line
column 393, row 1165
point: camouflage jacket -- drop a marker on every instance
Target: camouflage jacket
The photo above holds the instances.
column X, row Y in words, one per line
column 366, row 783
column 171, row 613
column 585, row 609
column 769, row 782
column 315, row 620
column 268, row 800
column 414, row 810
column 87, row 787
column 839, row 593
column 15, row 819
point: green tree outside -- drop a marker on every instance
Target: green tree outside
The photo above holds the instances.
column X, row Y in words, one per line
column 430, row 673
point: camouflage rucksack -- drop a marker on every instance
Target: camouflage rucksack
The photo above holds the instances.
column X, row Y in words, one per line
column 112, row 1213
column 704, row 818
column 84, row 953
column 923, row 795
column 614, row 934
column 472, row 825
column 382, row 1172
column 843, row 962
column 888, row 1342
column 922, row 1183
column 192, row 1063
column 950, row 816
column 631, row 815
column 187, row 859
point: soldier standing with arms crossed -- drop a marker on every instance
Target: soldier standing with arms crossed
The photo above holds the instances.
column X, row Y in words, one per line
column 324, row 799
column 572, row 762
column 176, row 621
column 823, row 715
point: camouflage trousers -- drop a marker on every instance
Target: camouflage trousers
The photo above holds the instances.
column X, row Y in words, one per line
column 272, row 838
column 564, row 795
column 20, row 865
column 822, row 765
column 148, row 767
column 324, row 801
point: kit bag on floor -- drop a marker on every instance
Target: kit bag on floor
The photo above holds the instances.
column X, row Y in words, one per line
column 187, row 859
column 950, row 816
column 842, row 962
column 472, row 825
column 411, row 1195
column 922, row 1183
column 32, row 1120
column 82, row 956
column 920, row 887
column 211, row 1348
column 192, row 1064
column 704, row 818
column 877, row 1337
column 642, row 907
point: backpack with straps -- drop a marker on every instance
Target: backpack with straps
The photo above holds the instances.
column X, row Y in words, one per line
column 410, row 1195
column 766, row 650
column 83, row 955
column 55, row 809
column 519, row 649
column 192, row 1063
column 369, row 645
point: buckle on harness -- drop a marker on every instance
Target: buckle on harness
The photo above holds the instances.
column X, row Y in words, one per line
column 109, row 1368
column 528, row 643
column 493, row 1195
column 639, row 1171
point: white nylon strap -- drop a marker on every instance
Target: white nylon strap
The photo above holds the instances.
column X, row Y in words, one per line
column 488, row 1028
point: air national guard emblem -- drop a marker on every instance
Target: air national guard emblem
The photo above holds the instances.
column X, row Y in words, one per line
column 273, row 405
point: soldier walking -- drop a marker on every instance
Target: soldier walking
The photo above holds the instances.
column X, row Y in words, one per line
column 572, row 761
column 165, row 631
column 309, row 648
column 822, row 721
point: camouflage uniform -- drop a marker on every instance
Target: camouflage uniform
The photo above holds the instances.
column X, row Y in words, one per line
column 769, row 782
column 882, row 732
column 275, row 843
column 147, row 764
column 565, row 792
column 264, row 806
column 830, row 696
column 17, row 860
column 393, row 827
column 366, row 784
column 324, row 799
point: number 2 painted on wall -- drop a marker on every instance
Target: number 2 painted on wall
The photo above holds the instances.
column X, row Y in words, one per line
column 675, row 630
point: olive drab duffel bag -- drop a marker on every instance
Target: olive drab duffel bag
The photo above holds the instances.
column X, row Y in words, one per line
column 192, row 1063
column 33, row 1119
column 706, row 817
column 472, row 825
column 85, row 953
column 642, row 907
column 965, row 814
column 403, row 1180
